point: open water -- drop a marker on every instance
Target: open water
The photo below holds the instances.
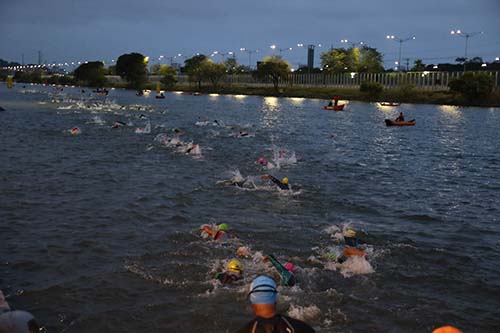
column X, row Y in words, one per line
column 99, row 232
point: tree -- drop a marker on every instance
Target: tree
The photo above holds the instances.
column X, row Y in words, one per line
column 169, row 76
column 273, row 68
column 91, row 73
column 111, row 70
column 334, row 60
column 419, row 66
column 192, row 67
column 133, row 68
column 212, row 71
column 354, row 59
column 231, row 65
column 370, row 60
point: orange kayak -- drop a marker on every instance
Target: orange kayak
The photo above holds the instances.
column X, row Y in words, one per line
column 334, row 107
column 390, row 122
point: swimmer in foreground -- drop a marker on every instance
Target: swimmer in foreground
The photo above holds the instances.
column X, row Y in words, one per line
column 16, row 321
column 283, row 184
column 234, row 272
column 286, row 271
column 221, row 233
column 352, row 244
column 263, row 296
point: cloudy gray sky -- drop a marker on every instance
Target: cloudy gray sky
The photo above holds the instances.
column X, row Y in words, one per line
column 78, row 30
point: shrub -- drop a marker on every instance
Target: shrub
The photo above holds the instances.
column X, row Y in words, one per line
column 372, row 89
column 473, row 87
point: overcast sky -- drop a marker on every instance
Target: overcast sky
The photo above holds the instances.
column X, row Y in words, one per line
column 78, row 30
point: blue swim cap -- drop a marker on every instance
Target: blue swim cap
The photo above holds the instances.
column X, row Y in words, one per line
column 263, row 290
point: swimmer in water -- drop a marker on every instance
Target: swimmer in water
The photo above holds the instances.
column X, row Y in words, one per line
column 263, row 296
column 283, row 184
column 16, row 321
column 285, row 271
column 351, row 247
column 233, row 273
column 221, row 233
column 118, row 124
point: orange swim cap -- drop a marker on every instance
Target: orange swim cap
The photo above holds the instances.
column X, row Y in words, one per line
column 447, row 329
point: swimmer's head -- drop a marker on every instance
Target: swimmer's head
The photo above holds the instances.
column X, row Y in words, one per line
column 263, row 290
column 350, row 233
column 284, row 180
column 235, row 266
column 223, row 227
column 289, row 267
column 262, row 160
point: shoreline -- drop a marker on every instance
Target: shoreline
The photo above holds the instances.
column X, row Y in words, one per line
column 400, row 95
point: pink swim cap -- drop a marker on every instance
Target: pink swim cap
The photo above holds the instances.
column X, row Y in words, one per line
column 289, row 267
column 262, row 160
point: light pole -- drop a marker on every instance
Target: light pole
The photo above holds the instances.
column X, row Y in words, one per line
column 353, row 44
column 243, row 49
column 274, row 47
column 222, row 54
column 400, row 41
column 466, row 35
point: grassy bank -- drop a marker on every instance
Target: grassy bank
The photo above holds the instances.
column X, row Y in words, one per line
column 403, row 94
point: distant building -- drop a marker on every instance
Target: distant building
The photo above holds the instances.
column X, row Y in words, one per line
column 310, row 57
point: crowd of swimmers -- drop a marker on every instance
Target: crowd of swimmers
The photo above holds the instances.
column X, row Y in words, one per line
column 263, row 289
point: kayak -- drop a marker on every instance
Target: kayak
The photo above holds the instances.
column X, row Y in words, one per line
column 334, row 107
column 389, row 104
column 160, row 96
column 390, row 122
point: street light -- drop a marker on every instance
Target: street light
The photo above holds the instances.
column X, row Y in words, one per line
column 273, row 47
column 465, row 35
column 243, row 49
column 353, row 44
column 222, row 54
column 401, row 41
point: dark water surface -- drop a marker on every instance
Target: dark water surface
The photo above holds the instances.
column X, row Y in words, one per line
column 99, row 231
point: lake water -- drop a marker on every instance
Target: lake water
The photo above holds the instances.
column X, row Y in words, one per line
column 100, row 231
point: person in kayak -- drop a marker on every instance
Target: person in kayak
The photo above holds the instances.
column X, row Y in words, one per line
column 334, row 101
column 401, row 117
column 283, row 184
column 16, row 321
column 285, row 271
column 221, row 233
column 234, row 272
column 263, row 296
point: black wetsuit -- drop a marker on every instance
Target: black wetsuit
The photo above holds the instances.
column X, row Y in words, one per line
column 276, row 324
column 228, row 277
column 351, row 241
column 279, row 183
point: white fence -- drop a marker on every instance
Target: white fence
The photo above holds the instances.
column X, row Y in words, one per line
column 420, row 80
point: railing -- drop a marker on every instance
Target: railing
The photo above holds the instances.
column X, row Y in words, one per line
column 420, row 80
